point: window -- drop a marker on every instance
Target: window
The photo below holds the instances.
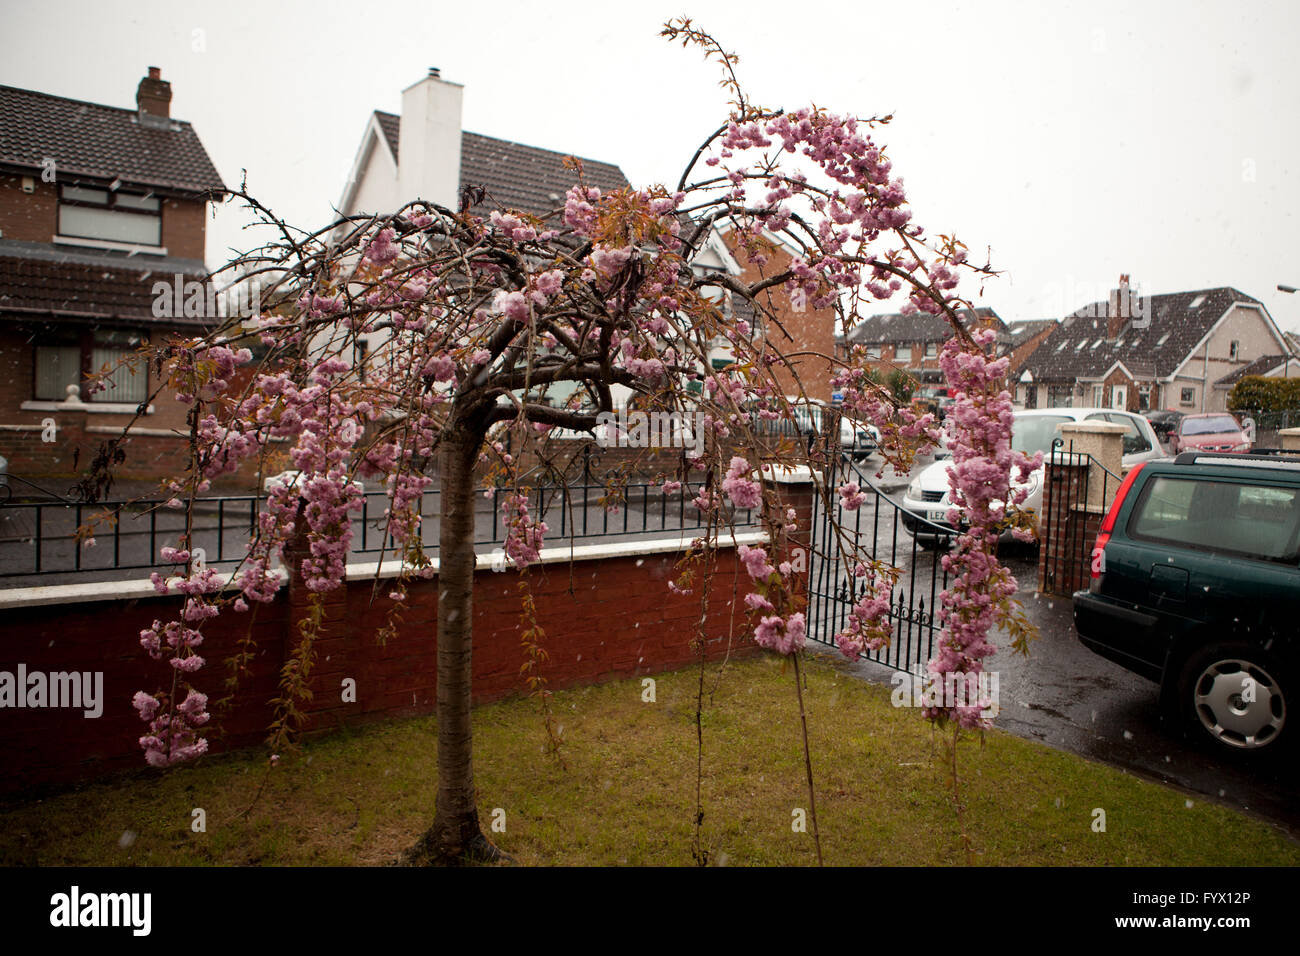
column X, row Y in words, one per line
column 904, row 353
column 1255, row 521
column 1135, row 442
column 1188, row 397
column 114, row 216
column 931, row 349
column 1144, row 398
column 1058, row 396
column 1234, row 347
column 873, row 352
column 1098, row 392
column 63, row 363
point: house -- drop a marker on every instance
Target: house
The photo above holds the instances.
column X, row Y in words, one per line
column 1268, row 366
column 424, row 153
column 102, row 240
column 912, row 343
column 1164, row 351
column 1021, row 339
column 794, row 328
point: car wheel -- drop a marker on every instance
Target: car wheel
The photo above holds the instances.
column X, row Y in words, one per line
column 1232, row 697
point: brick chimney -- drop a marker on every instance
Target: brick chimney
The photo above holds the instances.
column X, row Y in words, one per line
column 1121, row 309
column 153, row 98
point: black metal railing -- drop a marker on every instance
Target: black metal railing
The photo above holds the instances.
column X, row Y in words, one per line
column 39, row 536
column 881, row 530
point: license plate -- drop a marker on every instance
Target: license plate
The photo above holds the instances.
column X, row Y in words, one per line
column 937, row 514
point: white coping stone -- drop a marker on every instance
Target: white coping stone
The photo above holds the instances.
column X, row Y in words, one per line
column 136, row 590
column 789, row 474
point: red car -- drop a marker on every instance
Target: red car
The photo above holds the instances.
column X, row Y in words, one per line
column 1215, row 431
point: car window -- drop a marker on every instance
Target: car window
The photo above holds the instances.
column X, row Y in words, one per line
column 1033, row 433
column 1135, row 440
column 1209, row 426
column 1258, row 521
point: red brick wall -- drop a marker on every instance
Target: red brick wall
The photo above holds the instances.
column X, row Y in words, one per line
column 1068, row 531
column 33, row 217
column 30, row 217
column 809, row 330
column 183, row 225
column 606, row 618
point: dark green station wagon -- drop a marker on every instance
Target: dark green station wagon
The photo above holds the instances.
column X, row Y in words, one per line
column 1196, row 585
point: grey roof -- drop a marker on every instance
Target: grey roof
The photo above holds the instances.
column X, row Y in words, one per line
column 1078, row 348
column 1020, row 331
column 515, row 176
column 1261, row 366
column 893, row 328
column 102, row 143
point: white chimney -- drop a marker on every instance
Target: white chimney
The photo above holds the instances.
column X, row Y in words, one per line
column 428, row 150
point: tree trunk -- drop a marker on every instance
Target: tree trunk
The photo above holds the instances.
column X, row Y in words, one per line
column 455, row 836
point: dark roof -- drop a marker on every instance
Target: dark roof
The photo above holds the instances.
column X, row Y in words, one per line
column 43, row 283
column 391, row 124
column 102, row 142
column 1261, row 366
column 1078, row 348
column 515, row 176
column 1020, row 331
column 897, row 329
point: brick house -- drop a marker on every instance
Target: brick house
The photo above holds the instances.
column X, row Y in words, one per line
column 790, row 330
column 98, row 206
column 1176, row 351
column 911, row 343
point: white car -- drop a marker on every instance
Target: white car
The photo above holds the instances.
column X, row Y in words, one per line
column 927, row 499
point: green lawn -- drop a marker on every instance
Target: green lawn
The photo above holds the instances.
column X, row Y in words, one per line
column 628, row 795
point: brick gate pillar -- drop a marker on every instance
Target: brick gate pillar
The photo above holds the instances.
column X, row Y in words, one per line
column 1080, row 481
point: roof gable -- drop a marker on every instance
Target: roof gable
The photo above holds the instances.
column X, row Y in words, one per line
column 513, row 176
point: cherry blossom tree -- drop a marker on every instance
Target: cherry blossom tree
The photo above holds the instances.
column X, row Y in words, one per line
column 499, row 333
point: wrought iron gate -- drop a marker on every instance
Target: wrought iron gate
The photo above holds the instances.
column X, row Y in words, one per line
column 882, row 530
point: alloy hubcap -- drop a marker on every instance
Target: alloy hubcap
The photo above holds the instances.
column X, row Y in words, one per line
column 1239, row 704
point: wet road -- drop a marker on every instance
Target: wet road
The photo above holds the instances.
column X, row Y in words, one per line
column 1069, row 698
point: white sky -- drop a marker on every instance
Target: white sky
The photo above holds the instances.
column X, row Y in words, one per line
column 1078, row 140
